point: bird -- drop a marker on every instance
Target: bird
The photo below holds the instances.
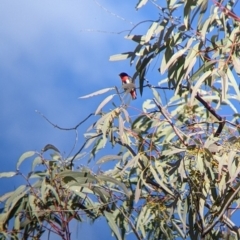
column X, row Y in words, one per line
column 126, row 79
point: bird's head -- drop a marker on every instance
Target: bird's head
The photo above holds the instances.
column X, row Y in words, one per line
column 123, row 74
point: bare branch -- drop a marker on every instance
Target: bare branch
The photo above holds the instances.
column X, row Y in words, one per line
column 61, row 128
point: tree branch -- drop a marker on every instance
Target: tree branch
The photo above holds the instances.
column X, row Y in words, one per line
column 61, row 128
column 213, row 112
column 228, row 200
column 170, row 122
column 79, row 151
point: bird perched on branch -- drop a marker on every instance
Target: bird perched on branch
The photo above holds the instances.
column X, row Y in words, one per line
column 131, row 87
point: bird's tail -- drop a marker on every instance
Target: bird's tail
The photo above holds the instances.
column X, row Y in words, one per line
column 133, row 94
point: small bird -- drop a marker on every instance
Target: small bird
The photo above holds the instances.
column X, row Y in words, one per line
column 128, row 80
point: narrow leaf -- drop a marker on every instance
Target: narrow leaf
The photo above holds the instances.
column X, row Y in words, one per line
column 122, row 56
column 108, row 158
column 24, row 157
column 179, row 230
column 198, row 85
column 113, row 180
column 191, row 54
column 121, row 127
column 156, row 95
column 97, row 92
column 205, row 27
column 190, row 66
column 236, row 64
column 127, row 118
column 111, row 222
column 157, row 179
column 8, row 174
column 138, row 191
column 141, row 3
column 50, row 146
column 104, row 102
column 151, row 31
column 173, row 59
column 233, row 82
column 224, row 81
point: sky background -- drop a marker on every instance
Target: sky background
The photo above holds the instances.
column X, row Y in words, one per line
column 53, row 52
column 49, row 58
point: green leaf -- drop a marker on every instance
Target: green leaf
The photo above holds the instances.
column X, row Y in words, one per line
column 77, row 176
column 141, row 3
column 24, row 157
column 190, row 66
column 122, row 56
column 14, row 198
column 236, row 64
column 138, row 191
column 224, row 81
column 111, row 222
column 32, row 200
column 157, row 179
column 103, row 103
column 8, row 174
column 102, row 91
column 178, row 229
column 108, row 158
column 5, row 196
column 156, row 95
column 3, row 220
column 17, row 222
column 187, row 11
column 113, row 180
column 204, row 68
column 169, row 32
column 104, row 195
column 36, row 161
column 175, row 56
column 151, row 31
column 206, row 26
column 233, row 83
column 50, row 146
column 131, row 163
column 126, row 115
column 198, row 85
column 147, row 105
column 172, row 60
column 143, row 218
column 121, row 128
column 136, row 38
column 54, row 192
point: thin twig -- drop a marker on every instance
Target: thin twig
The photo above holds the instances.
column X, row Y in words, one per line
column 67, row 129
column 170, row 122
column 79, row 151
column 61, row 128
column 130, row 223
column 228, row 200
column 113, row 14
column 213, row 112
column 143, row 168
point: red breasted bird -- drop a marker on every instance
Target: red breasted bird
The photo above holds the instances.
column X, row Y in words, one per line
column 128, row 80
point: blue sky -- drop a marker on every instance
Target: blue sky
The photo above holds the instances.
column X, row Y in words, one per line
column 51, row 53
column 49, row 59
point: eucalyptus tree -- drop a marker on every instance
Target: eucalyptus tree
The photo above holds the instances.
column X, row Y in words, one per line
column 173, row 164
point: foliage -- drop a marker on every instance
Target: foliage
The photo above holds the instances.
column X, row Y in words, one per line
column 177, row 170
